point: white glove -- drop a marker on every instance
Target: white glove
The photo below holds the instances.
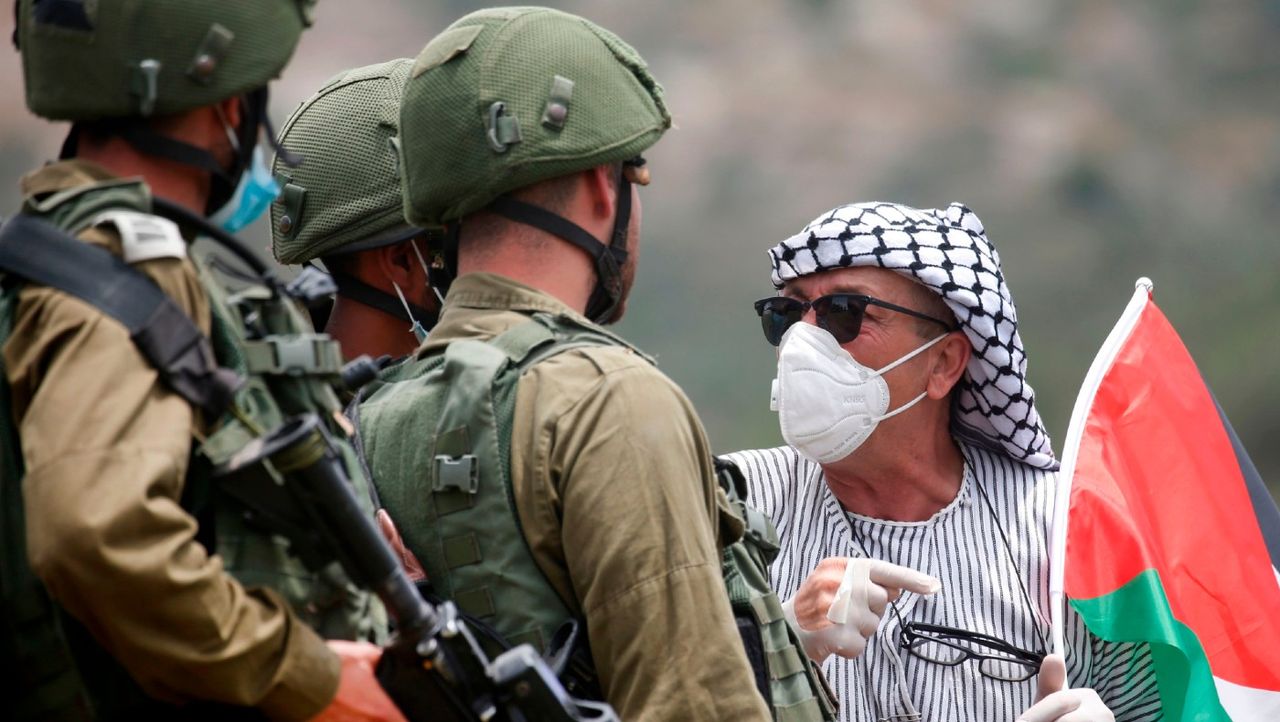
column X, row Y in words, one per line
column 865, row 591
column 1056, row 704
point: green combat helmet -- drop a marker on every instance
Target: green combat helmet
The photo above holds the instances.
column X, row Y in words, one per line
column 507, row 97
column 86, row 61
column 346, row 196
column 115, row 64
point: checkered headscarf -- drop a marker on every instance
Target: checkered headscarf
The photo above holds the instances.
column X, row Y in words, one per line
column 946, row 250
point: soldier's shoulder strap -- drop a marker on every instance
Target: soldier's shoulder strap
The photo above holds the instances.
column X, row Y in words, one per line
column 40, row 252
column 545, row 335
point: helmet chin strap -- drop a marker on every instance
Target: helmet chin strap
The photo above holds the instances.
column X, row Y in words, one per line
column 608, row 260
column 373, row 297
column 139, row 134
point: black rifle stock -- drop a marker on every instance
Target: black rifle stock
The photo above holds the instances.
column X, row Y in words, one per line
column 434, row 669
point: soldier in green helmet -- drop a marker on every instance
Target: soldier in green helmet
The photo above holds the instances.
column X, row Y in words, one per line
column 102, row 435
column 343, row 206
column 551, row 481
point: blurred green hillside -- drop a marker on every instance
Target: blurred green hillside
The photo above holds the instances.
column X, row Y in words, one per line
column 1098, row 141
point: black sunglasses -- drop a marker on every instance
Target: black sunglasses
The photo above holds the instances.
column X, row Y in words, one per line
column 839, row 314
column 997, row 659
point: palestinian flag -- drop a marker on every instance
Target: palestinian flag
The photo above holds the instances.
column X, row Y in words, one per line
column 1170, row 537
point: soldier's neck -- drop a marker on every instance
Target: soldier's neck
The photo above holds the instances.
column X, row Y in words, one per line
column 182, row 184
column 538, row 260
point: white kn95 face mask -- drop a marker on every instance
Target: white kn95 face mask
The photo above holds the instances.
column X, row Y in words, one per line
column 828, row 404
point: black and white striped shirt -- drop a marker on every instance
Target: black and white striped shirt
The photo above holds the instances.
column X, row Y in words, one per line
column 961, row 545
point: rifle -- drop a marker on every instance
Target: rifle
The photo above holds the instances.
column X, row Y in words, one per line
column 434, row 668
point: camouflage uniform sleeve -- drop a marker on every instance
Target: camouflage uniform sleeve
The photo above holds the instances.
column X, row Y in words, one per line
column 622, row 508
column 106, row 449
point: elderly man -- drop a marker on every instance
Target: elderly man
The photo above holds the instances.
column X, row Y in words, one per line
column 912, row 500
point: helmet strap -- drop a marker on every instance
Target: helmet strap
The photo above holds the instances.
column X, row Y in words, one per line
column 145, row 140
column 139, row 134
column 71, row 143
column 608, row 259
column 367, row 295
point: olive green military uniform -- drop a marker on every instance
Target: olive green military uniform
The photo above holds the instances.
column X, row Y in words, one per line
column 615, row 492
column 609, row 471
column 106, row 448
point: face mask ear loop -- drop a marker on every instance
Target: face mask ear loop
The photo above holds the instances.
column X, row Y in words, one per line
column 901, row 408
column 416, row 329
column 226, row 128
column 413, row 243
column 909, row 356
column 894, row 365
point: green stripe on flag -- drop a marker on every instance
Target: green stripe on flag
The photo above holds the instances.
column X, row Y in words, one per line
column 1139, row 612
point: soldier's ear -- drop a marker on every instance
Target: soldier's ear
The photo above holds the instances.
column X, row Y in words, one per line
column 395, row 262
column 601, row 186
column 233, row 110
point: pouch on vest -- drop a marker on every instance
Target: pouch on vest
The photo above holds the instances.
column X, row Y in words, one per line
column 790, row 682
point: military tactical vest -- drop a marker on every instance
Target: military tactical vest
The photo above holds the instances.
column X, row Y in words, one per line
column 790, row 681
column 449, row 488
column 283, row 370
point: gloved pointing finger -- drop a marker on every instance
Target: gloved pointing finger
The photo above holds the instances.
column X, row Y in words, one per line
column 871, row 584
column 901, row 578
column 867, row 587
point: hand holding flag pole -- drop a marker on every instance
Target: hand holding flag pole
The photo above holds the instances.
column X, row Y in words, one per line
column 1163, row 534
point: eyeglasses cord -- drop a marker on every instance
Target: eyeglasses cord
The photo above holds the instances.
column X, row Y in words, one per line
column 912, row 714
column 1008, row 548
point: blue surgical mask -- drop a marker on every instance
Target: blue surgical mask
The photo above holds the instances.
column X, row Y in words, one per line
column 252, row 197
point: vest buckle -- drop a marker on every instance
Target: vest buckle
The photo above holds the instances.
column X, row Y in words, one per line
column 460, row 473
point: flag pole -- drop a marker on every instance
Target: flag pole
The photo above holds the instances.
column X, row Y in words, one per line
column 1075, row 432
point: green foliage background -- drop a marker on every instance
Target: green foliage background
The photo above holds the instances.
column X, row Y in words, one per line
column 1098, row 141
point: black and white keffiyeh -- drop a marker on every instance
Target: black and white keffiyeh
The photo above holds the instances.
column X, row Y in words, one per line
column 946, row 250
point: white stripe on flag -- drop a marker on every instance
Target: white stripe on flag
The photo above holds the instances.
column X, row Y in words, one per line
column 1247, row 704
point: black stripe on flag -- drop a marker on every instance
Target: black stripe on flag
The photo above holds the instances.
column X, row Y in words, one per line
column 1264, row 507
